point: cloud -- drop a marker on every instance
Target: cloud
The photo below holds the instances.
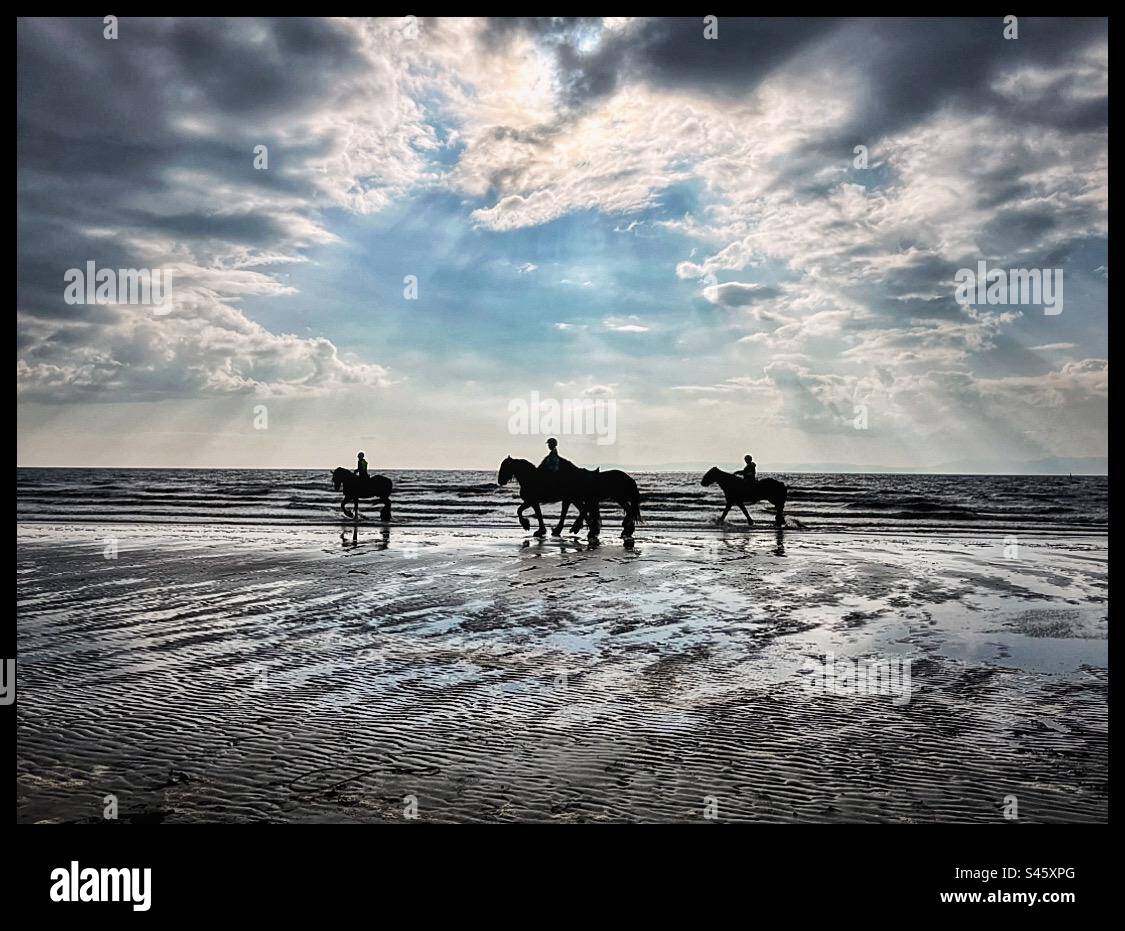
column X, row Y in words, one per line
column 738, row 293
column 954, row 411
column 587, row 388
column 545, row 136
column 630, row 324
column 139, row 152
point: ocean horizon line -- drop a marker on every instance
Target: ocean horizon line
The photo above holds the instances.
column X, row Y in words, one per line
column 629, row 467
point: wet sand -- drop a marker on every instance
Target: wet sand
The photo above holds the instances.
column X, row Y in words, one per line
column 283, row 674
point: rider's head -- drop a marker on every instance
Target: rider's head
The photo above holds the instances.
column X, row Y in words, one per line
column 748, row 458
column 552, row 442
column 360, row 455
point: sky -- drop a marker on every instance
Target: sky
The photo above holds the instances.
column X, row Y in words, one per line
column 666, row 218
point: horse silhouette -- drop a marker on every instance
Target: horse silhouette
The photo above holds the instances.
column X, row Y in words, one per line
column 586, row 488
column 570, row 485
column 356, row 487
column 741, row 492
column 618, row 487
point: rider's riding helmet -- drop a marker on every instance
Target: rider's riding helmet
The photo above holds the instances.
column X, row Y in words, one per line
column 552, row 442
column 360, row 455
column 747, row 457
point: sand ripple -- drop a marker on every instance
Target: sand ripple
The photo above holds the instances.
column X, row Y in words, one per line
column 231, row 676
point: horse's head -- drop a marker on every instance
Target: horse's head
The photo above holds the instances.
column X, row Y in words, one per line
column 709, row 478
column 338, row 477
column 506, row 471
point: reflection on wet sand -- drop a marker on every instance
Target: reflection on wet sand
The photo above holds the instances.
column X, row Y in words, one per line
column 562, row 544
column 381, row 542
column 330, row 679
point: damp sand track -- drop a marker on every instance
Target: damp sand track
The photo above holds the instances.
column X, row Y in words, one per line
column 241, row 674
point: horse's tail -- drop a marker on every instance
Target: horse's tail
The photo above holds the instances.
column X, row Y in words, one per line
column 635, row 504
column 781, row 498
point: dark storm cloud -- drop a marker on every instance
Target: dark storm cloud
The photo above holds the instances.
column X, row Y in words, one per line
column 97, row 131
column 914, row 66
column 243, row 66
column 740, row 294
column 673, row 51
column 139, row 150
column 91, row 106
column 911, row 66
column 667, row 51
column 68, row 73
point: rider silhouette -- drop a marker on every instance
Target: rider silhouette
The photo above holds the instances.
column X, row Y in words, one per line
column 749, row 471
column 361, row 469
column 551, row 466
column 551, row 460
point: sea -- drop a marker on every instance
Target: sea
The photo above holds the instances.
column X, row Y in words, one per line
column 899, row 502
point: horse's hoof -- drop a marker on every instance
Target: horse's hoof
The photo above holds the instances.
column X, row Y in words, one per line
column 556, row 532
column 525, row 523
column 540, row 533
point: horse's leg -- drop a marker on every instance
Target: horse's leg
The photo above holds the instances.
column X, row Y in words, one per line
column 594, row 521
column 358, row 516
column 542, row 531
column 524, row 522
column 582, row 516
column 557, row 529
column 344, row 508
column 386, row 513
column 745, row 513
column 627, row 525
column 726, row 511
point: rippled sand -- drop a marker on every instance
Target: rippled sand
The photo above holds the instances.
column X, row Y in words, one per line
column 283, row 674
